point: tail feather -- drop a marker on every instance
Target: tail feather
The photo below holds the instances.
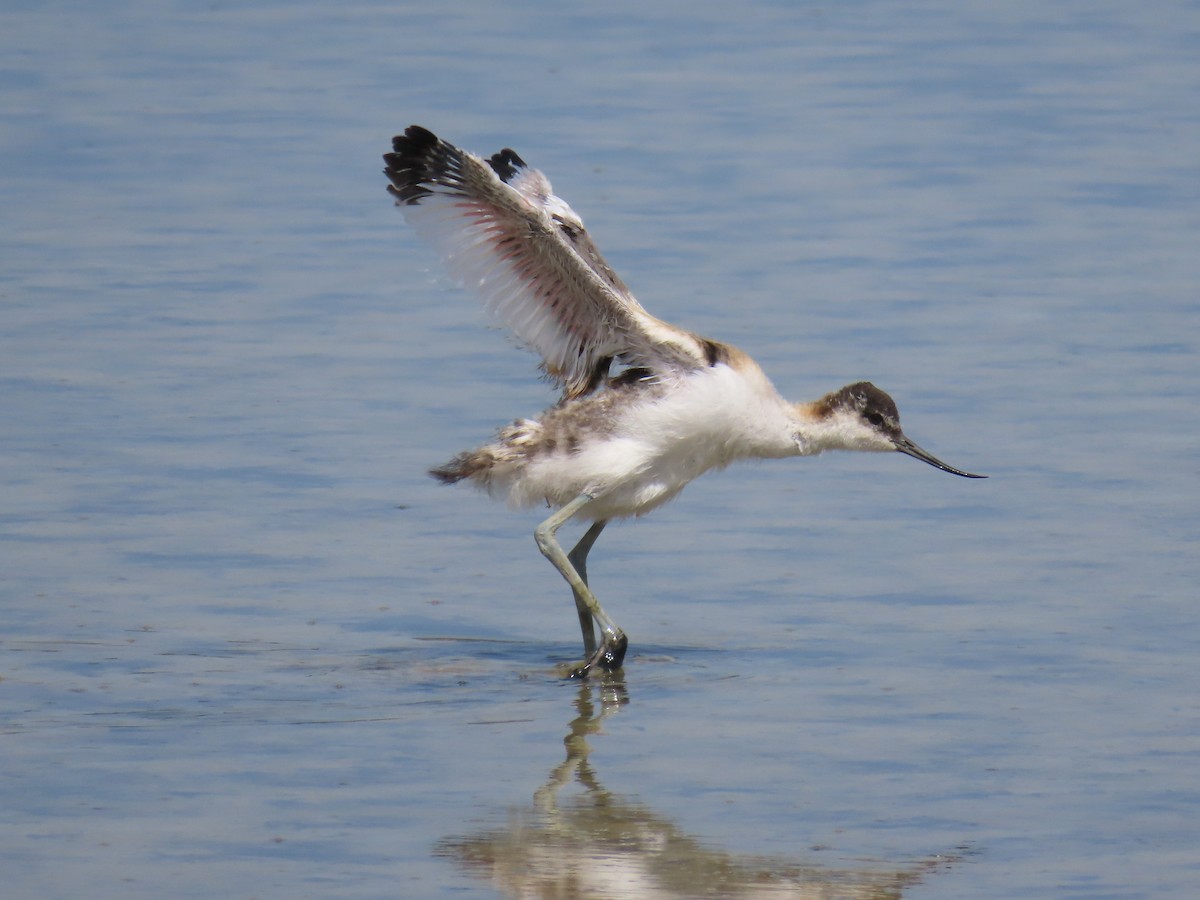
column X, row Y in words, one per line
column 468, row 464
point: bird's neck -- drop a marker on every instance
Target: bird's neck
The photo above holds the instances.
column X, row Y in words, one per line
column 815, row 430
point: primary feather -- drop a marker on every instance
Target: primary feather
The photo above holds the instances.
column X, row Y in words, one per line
column 503, row 232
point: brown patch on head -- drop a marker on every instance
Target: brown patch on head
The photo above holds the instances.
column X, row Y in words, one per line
column 867, row 401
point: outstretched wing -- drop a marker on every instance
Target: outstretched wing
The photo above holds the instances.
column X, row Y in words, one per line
column 503, row 232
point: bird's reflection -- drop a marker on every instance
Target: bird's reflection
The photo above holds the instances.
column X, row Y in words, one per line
column 594, row 843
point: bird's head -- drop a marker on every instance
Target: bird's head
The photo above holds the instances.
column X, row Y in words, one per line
column 862, row 417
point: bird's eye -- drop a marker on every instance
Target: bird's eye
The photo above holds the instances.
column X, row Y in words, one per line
column 874, row 418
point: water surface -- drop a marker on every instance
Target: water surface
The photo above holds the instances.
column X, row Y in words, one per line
column 250, row 650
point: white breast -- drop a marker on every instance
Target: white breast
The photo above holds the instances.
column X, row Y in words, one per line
column 707, row 420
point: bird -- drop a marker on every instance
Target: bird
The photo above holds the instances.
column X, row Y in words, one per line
column 645, row 408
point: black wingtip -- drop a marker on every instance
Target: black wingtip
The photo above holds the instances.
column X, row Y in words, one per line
column 415, row 140
column 506, row 163
column 418, row 161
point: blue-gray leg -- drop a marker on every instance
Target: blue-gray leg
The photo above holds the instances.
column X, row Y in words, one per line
column 578, row 558
column 611, row 651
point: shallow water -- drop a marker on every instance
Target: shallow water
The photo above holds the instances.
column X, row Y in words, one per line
column 250, row 650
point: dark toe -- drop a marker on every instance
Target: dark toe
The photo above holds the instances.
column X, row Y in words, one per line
column 609, row 657
column 612, row 655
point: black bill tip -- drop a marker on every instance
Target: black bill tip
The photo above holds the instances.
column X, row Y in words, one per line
column 907, row 447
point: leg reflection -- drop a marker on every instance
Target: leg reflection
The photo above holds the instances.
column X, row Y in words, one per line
column 579, row 840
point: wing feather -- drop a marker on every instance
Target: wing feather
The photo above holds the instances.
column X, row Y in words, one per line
column 502, row 232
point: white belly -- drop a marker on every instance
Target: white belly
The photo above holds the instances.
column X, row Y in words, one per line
column 653, row 448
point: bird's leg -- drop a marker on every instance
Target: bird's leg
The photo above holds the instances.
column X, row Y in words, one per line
column 611, row 652
column 578, row 558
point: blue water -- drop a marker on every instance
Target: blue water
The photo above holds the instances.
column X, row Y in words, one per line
column 251, row 650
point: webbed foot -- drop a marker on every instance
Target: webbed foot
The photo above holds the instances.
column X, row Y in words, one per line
column 608, row 656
